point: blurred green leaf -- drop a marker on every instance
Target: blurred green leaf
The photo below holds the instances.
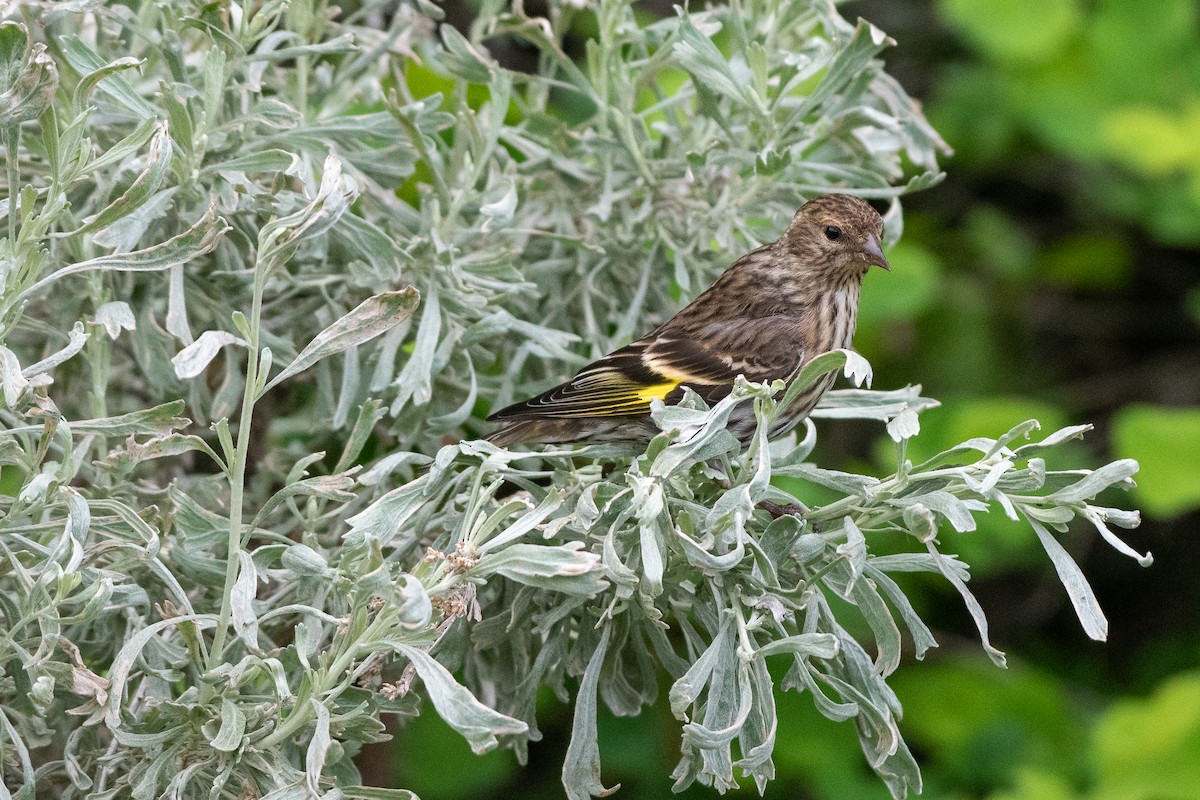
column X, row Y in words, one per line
column 821, row 753
column 1000, row 243
column 1093, row 260
column 1164, row 46
column 426, row 744
column 1191, row 303
column 1150, row 749
column 1033, row 784
column 904, row 294
column 972, row 109
column 1015, row 30
column 1166, row 441
column 1156, row 141
column 978, row 722
column 1062, row 102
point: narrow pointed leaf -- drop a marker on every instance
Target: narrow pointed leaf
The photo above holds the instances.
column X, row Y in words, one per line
column 372, row 317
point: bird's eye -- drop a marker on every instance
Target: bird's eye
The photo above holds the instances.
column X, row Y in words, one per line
column 833, row 233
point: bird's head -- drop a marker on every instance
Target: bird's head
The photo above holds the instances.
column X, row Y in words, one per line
column 837, row 232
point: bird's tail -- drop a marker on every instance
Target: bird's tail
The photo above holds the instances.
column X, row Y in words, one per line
column 548, row 430
column 519, row 432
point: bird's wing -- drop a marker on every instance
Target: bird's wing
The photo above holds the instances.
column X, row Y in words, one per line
column 624, row 382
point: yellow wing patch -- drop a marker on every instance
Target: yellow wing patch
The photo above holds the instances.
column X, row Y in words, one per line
column 621, row 384
column 657, row 392
column 602, row 393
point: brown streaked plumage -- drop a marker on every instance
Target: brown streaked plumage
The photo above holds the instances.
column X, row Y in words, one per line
column 772, row 310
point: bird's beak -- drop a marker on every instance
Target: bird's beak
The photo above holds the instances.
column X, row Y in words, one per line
column 874, row 253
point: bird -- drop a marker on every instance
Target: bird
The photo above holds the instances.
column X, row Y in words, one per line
column 770, row 312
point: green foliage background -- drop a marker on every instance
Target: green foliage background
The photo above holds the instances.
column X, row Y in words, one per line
column 1053, row 276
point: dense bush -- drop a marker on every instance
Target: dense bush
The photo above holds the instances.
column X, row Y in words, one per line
column 262, row 262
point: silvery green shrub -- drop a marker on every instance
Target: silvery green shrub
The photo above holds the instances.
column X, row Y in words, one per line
column 263, row 267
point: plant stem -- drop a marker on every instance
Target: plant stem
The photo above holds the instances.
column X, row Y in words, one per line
column 237, row 473
column 12, row 140
column 99, row 358
column 301, row 711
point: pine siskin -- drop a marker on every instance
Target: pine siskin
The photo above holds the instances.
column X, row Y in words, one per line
column 774, row 309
